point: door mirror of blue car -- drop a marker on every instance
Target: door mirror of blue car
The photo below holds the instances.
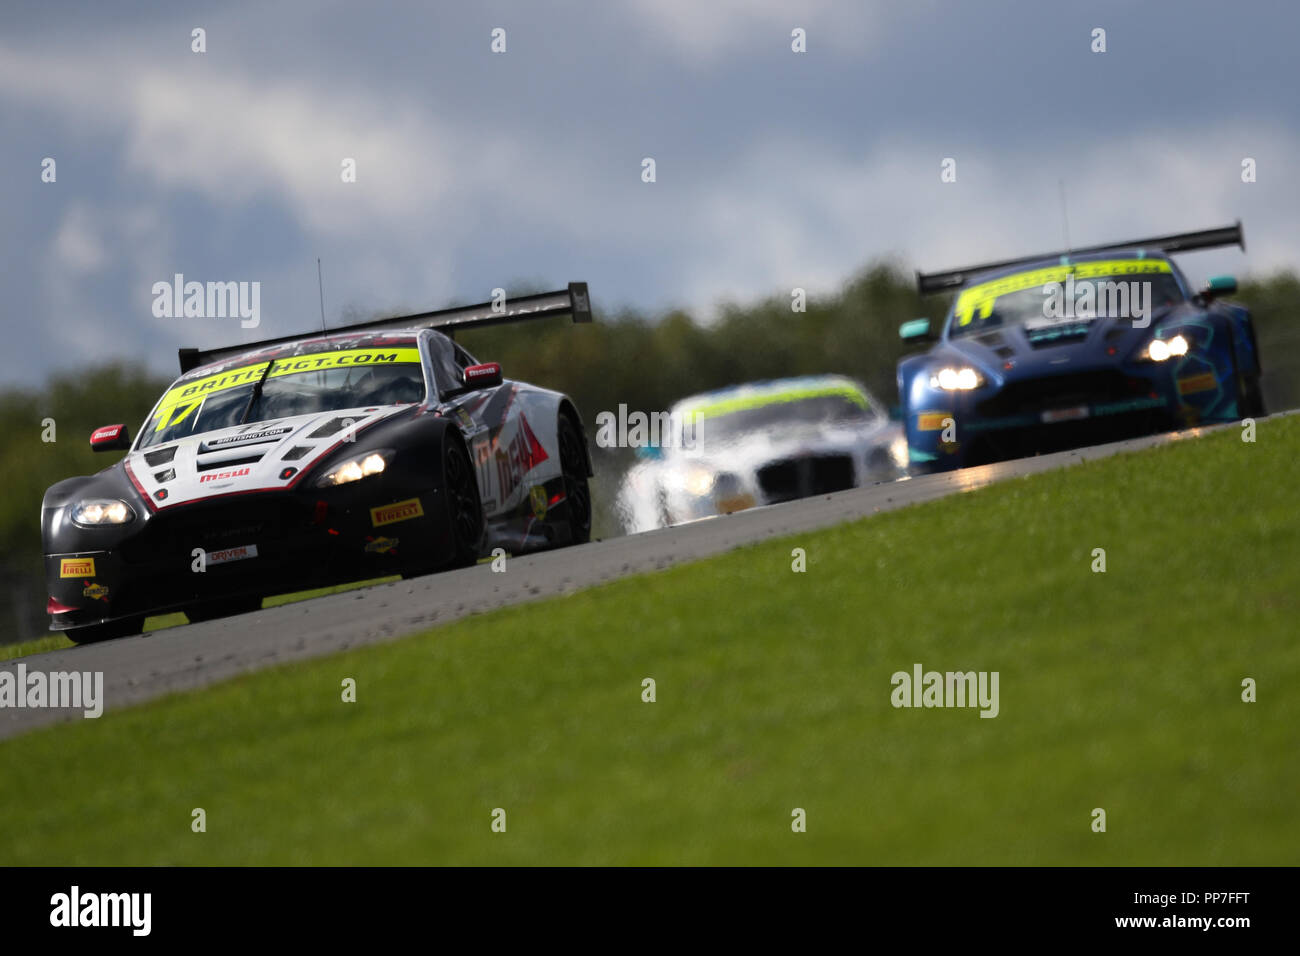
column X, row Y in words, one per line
column 1219, row 285
column 917, row 330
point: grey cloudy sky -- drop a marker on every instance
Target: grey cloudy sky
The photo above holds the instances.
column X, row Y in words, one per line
column 477, row 170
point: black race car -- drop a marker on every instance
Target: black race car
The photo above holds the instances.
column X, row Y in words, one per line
column 296, row 463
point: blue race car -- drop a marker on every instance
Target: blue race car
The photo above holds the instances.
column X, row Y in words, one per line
column 1076, row 348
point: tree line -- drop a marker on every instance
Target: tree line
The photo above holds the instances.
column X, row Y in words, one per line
column 625, row 357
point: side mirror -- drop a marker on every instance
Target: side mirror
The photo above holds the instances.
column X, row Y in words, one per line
column 486, row 375
column 917, row 330
column 1219, row 285
column 110, row 438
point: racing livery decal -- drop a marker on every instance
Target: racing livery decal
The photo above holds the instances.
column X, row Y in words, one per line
column 381, row 545
column 77, row 568
column 232, row 554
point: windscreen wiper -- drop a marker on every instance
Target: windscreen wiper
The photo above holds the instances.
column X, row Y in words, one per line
column 257, row 393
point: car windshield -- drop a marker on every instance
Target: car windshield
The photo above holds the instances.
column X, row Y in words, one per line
column 732, row 418
column 1078, row 292
column 297, row 385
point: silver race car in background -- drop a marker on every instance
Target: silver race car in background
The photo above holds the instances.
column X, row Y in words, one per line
column 761, row 444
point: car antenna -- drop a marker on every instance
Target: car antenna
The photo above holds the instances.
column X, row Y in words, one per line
column 320, row 284
column 1065, row 218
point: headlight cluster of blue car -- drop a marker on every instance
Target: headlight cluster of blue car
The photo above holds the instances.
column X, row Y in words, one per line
column 1160, row 350
column 956, row 379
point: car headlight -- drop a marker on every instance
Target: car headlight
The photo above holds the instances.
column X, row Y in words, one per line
column 956, row 379
column 898, row 451
column 354, row 469
column 94, row 512
column 699, row 481
column 1158, row 350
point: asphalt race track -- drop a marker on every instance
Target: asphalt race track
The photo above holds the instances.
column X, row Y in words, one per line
column 181, row 658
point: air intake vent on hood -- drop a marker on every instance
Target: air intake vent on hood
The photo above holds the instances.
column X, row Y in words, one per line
column 225, row 463
column 997, row 343
column 332, row 427
column 160, row 457
column 296, row 452
column 1059, row 333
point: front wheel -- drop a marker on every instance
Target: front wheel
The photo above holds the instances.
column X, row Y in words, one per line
column 577, row 492
column 464, row 512
column 1250, row 398
column 464, row 506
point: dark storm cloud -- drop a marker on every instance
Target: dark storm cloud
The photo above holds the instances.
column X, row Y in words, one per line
column 774, row 169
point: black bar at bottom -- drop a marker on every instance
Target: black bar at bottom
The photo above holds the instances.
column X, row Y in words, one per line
column 922, row 904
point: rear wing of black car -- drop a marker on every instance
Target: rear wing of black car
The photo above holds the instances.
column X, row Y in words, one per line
column 573, row 301
column 928, row 282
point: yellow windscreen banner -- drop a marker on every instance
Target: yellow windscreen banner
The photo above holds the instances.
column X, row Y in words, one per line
column 185, row 397
column 741, row 403
column 977, row 301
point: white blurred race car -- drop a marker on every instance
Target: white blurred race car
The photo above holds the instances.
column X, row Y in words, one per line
column 761, row 444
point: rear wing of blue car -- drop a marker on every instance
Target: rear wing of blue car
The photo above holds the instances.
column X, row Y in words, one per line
column 928, row 282
column 572, row 301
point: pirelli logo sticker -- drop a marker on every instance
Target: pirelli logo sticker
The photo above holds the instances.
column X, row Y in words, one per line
column 183, row 398
column 931, row 421
column 977, row 301
column 77, row 568
column 391, row 514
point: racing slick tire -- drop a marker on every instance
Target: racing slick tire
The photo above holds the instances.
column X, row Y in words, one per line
column 464, row 511
column 1250, row 397
column 94, row 633
column 577, row 492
